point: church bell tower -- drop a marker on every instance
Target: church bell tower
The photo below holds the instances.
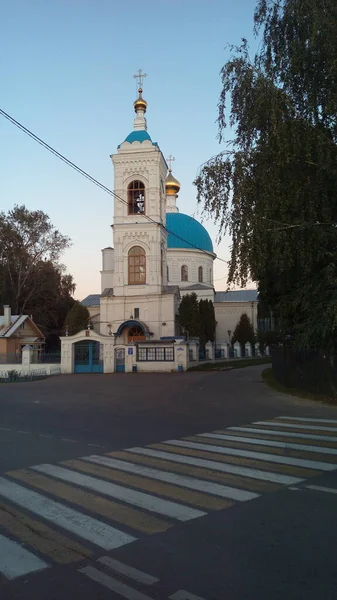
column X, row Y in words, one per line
column 140, row 237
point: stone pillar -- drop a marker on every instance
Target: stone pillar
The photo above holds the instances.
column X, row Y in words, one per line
column 27, row 355
column 257, row 349
column 248, row 349
column 209, row 348
column 193, row 351
column 237, row 350
column 67, row 349
column 109, row 356
column 267, row 351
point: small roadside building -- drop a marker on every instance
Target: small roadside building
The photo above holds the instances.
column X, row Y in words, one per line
column 17, row 331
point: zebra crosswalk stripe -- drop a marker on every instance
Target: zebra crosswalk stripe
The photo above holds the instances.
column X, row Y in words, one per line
column 82, row 525
column 16, row 561
column 152, row 503
column 180, row 480
column 295, row 462
column 278, row 433
column 272, row 443
column 217, row 466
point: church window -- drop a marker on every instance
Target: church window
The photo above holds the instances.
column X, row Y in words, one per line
column 136, row 266
column 200, row 275
column 135, row 334
column 184, row 273
column 136, row 313
column 136, row 198
column 167, row 273
column 210, row 275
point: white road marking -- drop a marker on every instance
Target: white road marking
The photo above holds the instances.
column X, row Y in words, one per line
column 69, row 441
column 4, row 429
column 25, row 432
column 180, row 480
column 274, row 443
column 309, row 420
column 309, row 436
column 44, row 435
column 147, row 501
column 218, row 466
column 295, row 426
column 183, row 595
column 16, row 561
column 112, row 584
column 128, row 571
column 320, row 488
column 85, row 527
column 95, row 446
column 274, row 458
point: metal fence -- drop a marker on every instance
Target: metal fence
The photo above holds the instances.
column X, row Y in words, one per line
column 312, row 371
column 10, row 359
column 14, row 376
column 47, row 358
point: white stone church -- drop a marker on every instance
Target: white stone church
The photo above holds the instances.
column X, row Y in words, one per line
column 158, row 255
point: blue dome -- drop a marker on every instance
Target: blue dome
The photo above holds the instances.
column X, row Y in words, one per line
column 138, row 135
column 188, row 229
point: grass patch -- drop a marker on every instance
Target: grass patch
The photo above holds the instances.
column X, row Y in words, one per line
column 269, row 379
column 231, row 363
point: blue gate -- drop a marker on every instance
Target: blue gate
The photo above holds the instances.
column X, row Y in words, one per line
column 88, row 357
column 120, row 360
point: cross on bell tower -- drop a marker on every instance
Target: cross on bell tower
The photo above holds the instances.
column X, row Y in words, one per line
column 140, row 76
column 170, row 159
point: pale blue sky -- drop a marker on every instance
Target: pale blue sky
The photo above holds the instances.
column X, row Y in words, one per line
column 66, row 71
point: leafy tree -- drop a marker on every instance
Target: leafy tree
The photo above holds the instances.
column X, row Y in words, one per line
column 27, row 241
column 32, row 280
column 244, row 331
column 207, row 322
column 77, row 319
column 275, row 188
column 189, row 315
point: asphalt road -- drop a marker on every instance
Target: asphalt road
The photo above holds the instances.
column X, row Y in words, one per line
column 275, row 538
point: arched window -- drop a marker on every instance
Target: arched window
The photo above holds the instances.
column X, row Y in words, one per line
column 137, row 266
column 136, row 198
column 200, row 275
column 184, row 273
column 210, row 275
column 167, row 273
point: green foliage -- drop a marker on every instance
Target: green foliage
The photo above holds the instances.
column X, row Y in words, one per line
column 275, row 189
column 77, row 319
column 189, row 316
column 207, row 322
column 32, row 281
column 244, row 331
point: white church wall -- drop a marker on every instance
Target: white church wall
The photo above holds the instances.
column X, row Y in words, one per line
column 157, row 311
column 193, row 259
column 227, row 315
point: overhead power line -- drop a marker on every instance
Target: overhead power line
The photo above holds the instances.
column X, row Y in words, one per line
column 90, row 178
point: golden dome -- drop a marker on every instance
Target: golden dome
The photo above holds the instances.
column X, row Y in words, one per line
column 140, row 103
column 172, row 185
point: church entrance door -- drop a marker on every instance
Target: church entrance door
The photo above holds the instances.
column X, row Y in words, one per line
column 120, row 360
column 88, row 357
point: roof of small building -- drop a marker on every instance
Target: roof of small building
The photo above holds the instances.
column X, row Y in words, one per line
column 186, row 232
column 16, row 321
column 91, row 300
column 198, row 286
column 237, row 296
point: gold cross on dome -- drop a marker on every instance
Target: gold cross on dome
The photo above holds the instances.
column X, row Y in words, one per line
column 140, row 76
column 170, row 159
